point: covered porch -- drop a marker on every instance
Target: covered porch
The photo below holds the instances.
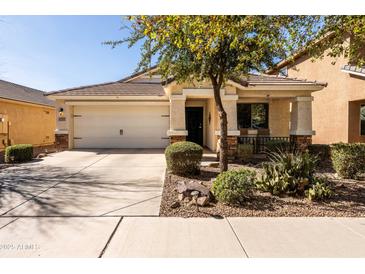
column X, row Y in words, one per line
column 255, row 113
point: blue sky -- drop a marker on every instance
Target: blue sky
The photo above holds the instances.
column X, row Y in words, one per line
column 56, row 52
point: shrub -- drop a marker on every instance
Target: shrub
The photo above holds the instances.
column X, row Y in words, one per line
column 18, row 153
column 319, row 190
column 277, row 146
column 287, row 173
column 233, row 186
column 245, row 151
column 323, row 152
column 184, row 158
column 348, row 159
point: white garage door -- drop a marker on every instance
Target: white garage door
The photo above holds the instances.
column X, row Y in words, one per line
column 121, row 126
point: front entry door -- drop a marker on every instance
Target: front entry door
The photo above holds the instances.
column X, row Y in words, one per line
column 194, row 124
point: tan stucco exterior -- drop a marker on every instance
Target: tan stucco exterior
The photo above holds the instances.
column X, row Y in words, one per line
column 29, row 123
column 279, row 117
column 282, row 99
column 335, row 118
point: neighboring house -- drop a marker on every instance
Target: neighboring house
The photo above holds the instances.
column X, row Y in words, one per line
column 141, row 112
column 339, row 109
column 26, row 116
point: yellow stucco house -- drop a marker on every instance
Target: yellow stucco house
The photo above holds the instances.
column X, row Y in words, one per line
column 142, row 112
column 339, row 109
column 26, row 116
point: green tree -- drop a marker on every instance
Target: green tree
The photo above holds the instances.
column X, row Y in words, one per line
column 217, row 48
column 335, row 29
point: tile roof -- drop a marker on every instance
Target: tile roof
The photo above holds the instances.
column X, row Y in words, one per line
column 354, row 69
column 144, row 85
column 12, row 91
column 115, row 89
column 254, row 79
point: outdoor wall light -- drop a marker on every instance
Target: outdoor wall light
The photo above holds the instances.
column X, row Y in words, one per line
column 209, row 118
column 60, row 112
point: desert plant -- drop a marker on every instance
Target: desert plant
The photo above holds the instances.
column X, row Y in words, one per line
column 244, row 151
column 18, row 153
column 233, row 186
column 183, row 158
column 322, row 151
column 348, row 159
column 277, row 146
column 287, row 173
column 319, row 190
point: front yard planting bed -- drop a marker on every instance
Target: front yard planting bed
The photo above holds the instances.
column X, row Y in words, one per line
column 348, row 199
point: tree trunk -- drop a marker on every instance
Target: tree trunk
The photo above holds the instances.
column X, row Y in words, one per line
column 223, row 157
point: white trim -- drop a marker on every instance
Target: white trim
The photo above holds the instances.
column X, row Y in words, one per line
column 277, row 86
column 113, row 97
column 130, row 103
column 303, row 99
column 353, row 72
column 302, row 132
column 61, row 131
column 203, row 93
column 177, row 97
column 229, row 133
column 230, row 97
column 172, row 132
column 199, row 92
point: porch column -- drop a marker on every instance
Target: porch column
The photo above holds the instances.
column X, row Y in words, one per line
column 230, row 106
column 301, row 122
column 177, row 131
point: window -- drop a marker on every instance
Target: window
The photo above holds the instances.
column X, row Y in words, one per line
column 362, row 120
column 254, row 115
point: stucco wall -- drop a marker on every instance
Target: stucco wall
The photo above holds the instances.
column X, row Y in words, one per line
column 62, row 124
column 354, row 121
column 279, row 117
column 331, row 105
column 30, row 124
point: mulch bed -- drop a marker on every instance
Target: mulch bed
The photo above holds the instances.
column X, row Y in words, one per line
column 348, row 201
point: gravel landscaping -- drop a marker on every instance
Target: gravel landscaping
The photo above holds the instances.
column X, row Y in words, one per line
column 348, row 200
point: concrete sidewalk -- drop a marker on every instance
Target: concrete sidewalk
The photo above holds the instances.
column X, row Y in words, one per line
column 179, row 237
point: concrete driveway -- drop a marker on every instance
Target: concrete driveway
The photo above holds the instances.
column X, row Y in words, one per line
column 103, row 182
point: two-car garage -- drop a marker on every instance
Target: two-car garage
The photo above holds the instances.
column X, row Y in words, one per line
column 120, row 126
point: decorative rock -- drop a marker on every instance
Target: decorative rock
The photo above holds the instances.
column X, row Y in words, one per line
column 186, row 188
column 181, row 187
column 202, row 201
column 187, row 199
column 175, row 205
column 180, row 196
column 192, row 185
column 194, row 193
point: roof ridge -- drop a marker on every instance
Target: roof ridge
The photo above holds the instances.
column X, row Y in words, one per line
column 22, row 86
column 82, row 87
column 136, row 74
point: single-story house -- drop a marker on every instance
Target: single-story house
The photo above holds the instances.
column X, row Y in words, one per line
column 141, row 111
column 26, row 116
column 339, row 109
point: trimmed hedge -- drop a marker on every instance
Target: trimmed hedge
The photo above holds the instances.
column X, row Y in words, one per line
column 244, row 151
column 183, row 158
column 348, row 159
column 18, row 153
column 323, row 152
column 277, row 146
column 233, row 186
